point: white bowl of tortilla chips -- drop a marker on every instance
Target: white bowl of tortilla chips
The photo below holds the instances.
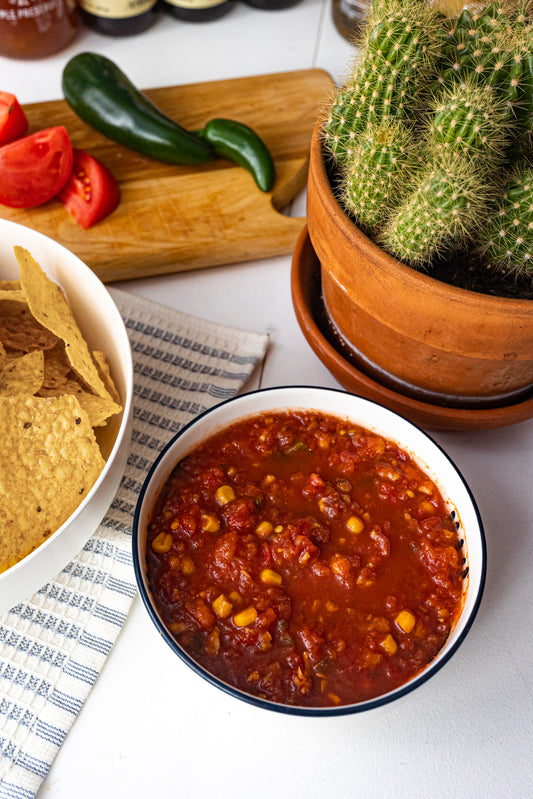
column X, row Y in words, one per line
column 66, row 385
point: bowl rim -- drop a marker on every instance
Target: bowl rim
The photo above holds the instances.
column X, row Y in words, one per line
column 299, row 710
column 127, row 403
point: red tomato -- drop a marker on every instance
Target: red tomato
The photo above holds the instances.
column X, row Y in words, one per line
column 33, row 169
column 91, row 192
column 13, row 122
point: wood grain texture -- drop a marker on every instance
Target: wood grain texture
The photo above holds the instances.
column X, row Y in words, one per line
column 174, row 218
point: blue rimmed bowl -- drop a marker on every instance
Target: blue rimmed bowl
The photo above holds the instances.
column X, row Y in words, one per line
column 373, row 417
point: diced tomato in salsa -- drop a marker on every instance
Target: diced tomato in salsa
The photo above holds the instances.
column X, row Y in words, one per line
column 305, row 560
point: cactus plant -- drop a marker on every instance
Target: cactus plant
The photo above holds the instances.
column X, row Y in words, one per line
column 437, row 214
column 380, row 160
column 470, row 120
column 477, row 46
column 399, row 45
column 453, row 95
column 507, row 241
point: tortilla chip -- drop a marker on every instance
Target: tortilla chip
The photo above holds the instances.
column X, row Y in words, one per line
column 98, row 409
column 51, row 457
column 105, row 373
column 13, row 296
column 25, row 334
column 50, row 460
column 22, row 375
column 71, row 386
column 13, row 301
column 15, row 309
column 56, row 367
column 49, row 306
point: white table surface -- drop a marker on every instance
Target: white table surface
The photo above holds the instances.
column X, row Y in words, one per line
column 150, row 727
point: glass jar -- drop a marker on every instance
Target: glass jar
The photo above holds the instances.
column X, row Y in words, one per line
column 271, row 5
column 118, row 17
column 348, row 15
column 36, row 28
column 197, row 10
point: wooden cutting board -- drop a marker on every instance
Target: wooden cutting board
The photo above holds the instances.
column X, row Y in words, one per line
column 174, row 218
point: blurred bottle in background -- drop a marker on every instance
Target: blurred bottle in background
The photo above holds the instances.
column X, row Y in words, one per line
column 36, row 28
column 118, row 17
column 197, row 10
column 348, row 15
column 271, row 5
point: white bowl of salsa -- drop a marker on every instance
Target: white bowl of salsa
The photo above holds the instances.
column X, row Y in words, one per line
column 309, row 551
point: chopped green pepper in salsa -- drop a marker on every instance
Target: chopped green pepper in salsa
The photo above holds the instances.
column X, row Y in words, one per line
column 305, row 560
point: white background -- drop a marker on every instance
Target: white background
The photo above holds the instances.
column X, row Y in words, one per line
column 152, row 727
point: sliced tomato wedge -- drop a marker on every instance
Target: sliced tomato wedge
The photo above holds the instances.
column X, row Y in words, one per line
column 34, row 168
column 91, row 193
column 13, row 121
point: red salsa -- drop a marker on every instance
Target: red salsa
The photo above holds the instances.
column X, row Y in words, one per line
column 305, row 560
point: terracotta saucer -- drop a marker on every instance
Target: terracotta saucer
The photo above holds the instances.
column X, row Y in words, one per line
column 311, row 316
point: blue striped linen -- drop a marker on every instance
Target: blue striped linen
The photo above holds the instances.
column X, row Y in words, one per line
column 54, row 645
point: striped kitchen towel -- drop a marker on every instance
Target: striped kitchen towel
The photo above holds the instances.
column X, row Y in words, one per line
column 54, row 645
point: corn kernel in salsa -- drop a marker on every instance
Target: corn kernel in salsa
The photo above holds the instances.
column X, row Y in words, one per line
column 311, row 562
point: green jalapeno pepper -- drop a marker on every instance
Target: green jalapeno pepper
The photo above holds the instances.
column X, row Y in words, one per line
column 239, row 143
column 104, row 97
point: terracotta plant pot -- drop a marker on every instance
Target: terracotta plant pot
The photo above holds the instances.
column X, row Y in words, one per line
column 411, row 332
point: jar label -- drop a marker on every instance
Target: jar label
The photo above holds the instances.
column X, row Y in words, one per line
column 195, row 4
column 16, row 11
column 116, row 9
